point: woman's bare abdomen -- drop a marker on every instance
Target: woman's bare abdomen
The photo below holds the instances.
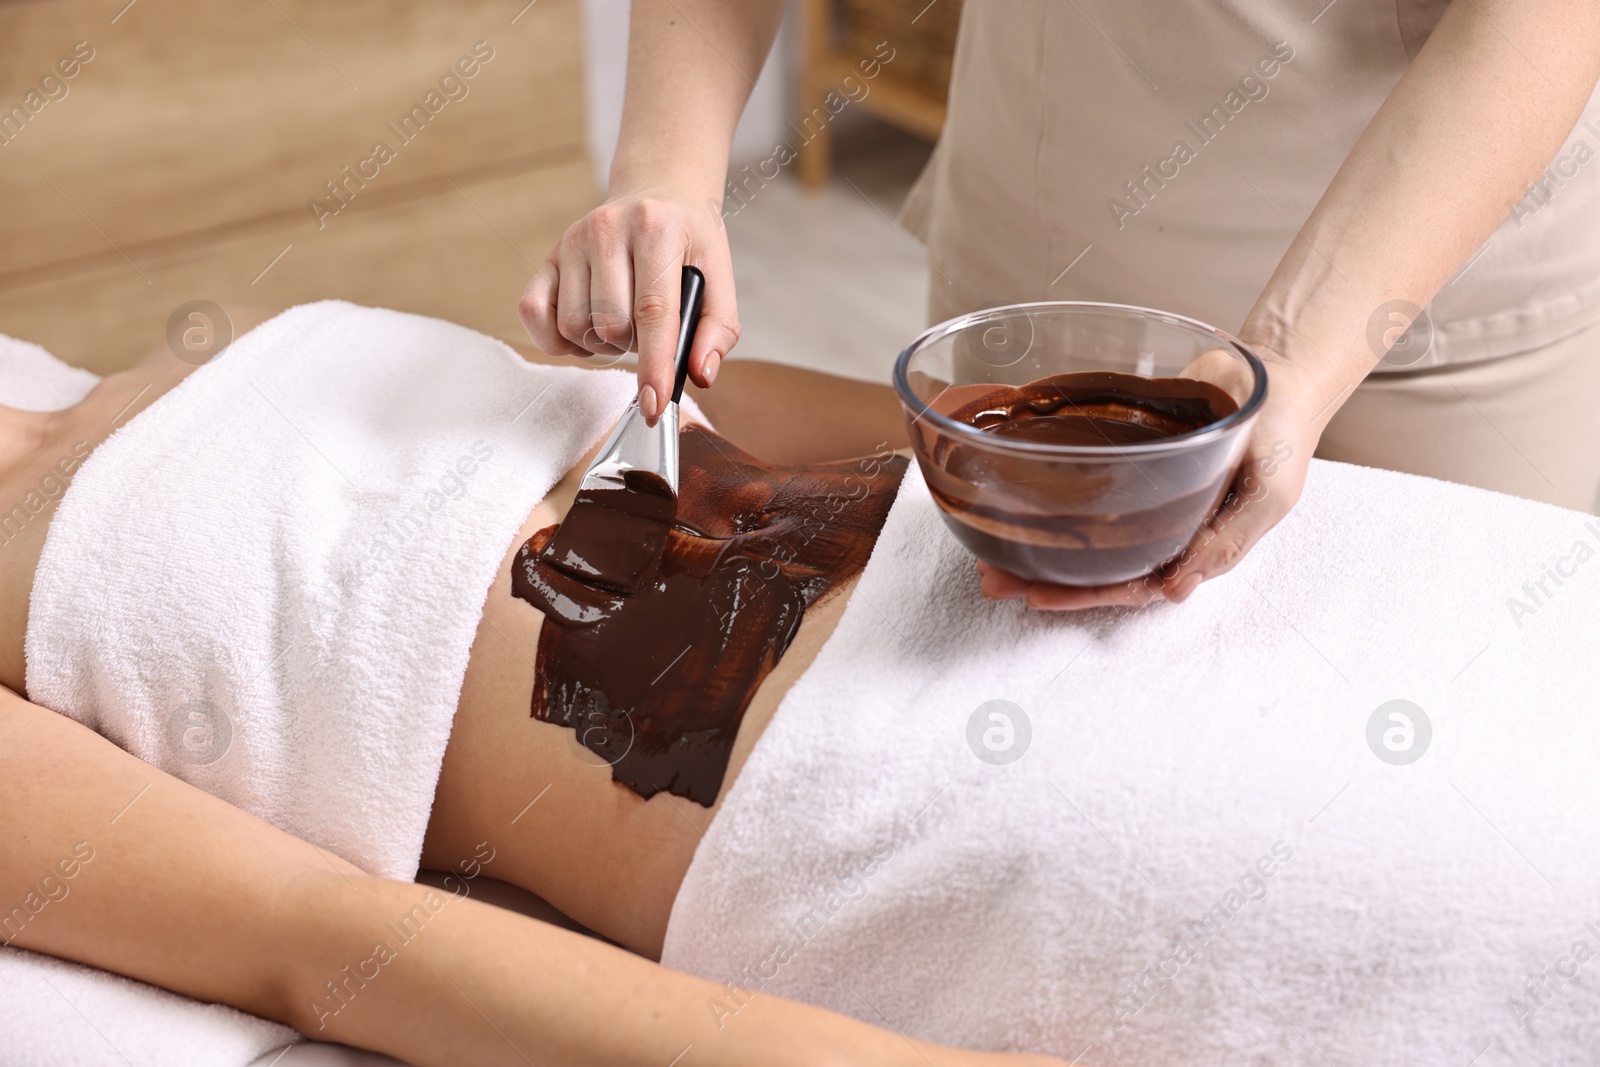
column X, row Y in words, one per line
column 557, row 823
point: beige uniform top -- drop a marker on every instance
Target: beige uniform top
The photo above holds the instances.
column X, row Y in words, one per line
column 1164, row 152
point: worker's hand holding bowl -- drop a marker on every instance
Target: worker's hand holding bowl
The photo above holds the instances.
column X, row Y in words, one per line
column 1093, row 454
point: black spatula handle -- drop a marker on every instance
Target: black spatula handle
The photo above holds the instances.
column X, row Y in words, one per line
column 694, row 291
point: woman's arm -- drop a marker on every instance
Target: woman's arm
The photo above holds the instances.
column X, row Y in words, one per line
column 1487, row 103
column 1484, row 107
column 108, row 861
column 612, row 283
column 1478, row 115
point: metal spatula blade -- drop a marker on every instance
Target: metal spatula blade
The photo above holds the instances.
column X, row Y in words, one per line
column 635, row 445
column 617, row 526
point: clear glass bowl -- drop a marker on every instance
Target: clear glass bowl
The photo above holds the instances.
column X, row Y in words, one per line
column 1074, row 514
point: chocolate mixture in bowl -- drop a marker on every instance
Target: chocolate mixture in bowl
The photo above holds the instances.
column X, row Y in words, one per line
column 1081, row 518
column 1098, row 408
column 656, row 682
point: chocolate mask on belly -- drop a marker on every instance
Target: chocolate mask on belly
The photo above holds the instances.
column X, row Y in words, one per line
column 657, row 682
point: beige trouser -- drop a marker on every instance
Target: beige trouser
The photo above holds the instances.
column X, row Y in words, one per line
column 1527, row 424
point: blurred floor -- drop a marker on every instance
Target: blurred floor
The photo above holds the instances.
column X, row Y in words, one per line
column 825, row 279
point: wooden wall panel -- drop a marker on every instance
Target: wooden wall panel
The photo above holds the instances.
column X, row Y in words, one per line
column 462, row 253
column 180, row 158
column 206, row 112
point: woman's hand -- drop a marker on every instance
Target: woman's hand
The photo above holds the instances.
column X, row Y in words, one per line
column 612, row 285
column 1268, row 483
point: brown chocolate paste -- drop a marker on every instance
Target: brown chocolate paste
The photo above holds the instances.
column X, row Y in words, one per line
column 613, row 537
column 1098, row 408
column 656, row 682
column 1075, row 520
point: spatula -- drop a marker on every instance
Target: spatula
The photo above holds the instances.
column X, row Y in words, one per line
column 617, row 526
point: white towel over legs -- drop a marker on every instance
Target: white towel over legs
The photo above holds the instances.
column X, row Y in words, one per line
column 1338, row 808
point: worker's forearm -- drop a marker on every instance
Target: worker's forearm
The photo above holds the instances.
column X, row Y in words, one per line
column 691, row 67
column 1476, row 118
column 440, row 979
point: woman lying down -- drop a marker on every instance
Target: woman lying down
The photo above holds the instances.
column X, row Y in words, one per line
column 301, row 596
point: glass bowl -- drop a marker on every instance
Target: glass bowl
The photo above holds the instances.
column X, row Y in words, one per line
column 1128, row 488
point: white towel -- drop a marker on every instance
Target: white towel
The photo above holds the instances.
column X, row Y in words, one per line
column 60, row 1014
column 31, row 379
column 269, row 582
column 34, row 380
column 1199, row 859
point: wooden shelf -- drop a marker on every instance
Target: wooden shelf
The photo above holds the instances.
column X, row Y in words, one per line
column 912, row 106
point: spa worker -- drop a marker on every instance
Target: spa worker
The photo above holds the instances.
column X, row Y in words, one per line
column 1308, row 175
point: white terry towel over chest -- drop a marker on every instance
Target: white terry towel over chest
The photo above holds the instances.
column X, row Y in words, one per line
column 268, row 583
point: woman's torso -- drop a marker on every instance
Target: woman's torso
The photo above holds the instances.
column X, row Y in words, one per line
column 546, row 806
column 588, row 845
column 64, row 439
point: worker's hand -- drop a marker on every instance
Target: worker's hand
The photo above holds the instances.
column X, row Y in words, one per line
column 1268, row 484
column 613, row 283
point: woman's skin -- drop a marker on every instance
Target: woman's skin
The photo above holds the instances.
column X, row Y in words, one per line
column 186, row 892
column 1476, row 118
column 589, row 846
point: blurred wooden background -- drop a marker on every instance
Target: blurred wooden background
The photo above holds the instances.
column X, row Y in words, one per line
column 910, row 92
column 179, row 161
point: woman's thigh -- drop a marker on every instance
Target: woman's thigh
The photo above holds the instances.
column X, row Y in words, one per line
column 1524, row 425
